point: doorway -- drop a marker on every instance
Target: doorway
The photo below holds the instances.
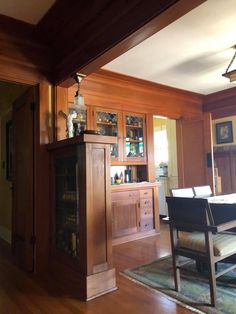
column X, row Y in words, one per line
column 165, row 157
column 14, row 127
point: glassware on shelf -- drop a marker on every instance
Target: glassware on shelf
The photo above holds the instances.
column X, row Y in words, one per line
column 134, row 136
column 107, row 124
column 80, row 121
column 66, row 206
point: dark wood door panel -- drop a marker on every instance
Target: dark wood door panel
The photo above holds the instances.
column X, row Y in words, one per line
column 23, row 180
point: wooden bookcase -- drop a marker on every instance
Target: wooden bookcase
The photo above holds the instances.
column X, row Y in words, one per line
column 81, row 246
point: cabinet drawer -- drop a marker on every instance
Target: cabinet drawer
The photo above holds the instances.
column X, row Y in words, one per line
column 117, row 196
column 146, row 212
column 146, row 224
column 145, row 193
column 146, row 203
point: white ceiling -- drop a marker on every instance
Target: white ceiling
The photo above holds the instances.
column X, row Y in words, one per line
column 191, row 53
column 30, row 11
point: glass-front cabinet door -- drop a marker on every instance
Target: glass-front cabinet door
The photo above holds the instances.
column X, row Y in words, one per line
column 108, row 123
column 134, row 129
column 66, row 215
column 79, row 120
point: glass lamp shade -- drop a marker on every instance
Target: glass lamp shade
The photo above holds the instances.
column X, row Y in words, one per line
column 79, row 101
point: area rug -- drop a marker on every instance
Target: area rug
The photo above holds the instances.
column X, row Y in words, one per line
column 195, row 291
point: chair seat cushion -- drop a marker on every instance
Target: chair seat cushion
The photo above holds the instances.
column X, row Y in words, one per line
column 223, row 243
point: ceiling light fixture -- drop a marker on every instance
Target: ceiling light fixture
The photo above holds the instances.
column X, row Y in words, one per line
column 79, row 99
column 231, row 75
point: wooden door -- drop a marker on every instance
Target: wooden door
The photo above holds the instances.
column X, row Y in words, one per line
column 125, row 213
column 23, row 180
column 124, row 217
column 225, row 162
column 190, row 152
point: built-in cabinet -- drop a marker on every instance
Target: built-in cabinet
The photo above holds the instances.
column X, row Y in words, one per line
column 130, row 130
column 135, row 211
column 81, row 246
column 128, row 127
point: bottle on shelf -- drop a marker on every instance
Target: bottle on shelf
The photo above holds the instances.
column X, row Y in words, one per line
column 117, row 178
column 128, row 175
column 121, row 177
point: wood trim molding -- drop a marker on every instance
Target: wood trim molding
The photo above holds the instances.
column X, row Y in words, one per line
column 105, row 36
column 23, row 58
column 107, row 89
column 221, row 104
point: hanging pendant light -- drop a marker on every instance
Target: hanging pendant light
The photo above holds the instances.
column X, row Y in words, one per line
column 79, row 99
column 231, row 75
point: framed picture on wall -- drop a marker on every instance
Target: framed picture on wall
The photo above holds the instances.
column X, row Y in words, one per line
column 9, row 150
column 224, row 132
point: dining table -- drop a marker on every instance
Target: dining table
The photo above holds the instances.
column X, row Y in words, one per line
column 223, row 207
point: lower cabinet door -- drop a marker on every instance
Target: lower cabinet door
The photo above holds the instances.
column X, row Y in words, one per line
column 125, row 219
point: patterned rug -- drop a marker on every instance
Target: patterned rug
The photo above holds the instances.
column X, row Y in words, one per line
column 194, row 288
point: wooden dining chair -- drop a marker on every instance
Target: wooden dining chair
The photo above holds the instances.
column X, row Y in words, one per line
column 183, row 192
column 206, row 242
column 202, row 191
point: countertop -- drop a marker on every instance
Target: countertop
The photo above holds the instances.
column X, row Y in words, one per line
column 131, row 186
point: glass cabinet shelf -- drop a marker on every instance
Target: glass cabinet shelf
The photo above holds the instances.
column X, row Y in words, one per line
column 134, row 146
column 66, row 206
column 107, row 124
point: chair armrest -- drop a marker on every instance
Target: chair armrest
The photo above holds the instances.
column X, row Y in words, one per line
column 226, row 226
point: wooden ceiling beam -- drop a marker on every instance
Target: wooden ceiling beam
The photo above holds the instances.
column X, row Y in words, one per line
column 85, row 35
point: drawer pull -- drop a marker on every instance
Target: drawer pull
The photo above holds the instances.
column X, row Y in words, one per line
column 145, row 193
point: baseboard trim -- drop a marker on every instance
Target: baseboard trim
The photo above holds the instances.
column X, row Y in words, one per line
column 5, row 234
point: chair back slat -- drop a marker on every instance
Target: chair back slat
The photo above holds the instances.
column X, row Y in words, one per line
column 192, row 211
column 202, row 191
column 185, row 192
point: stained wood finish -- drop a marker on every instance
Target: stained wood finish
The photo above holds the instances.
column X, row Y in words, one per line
column 91, row 273
column 226, row 164
column 23, row 58
column 49, row 50
column 220, row 104
column 23, row 180
column 101, row 36
column 135, row 211
column 190, row 152
column 111, row 90
column 43, row 135
column 27, row 293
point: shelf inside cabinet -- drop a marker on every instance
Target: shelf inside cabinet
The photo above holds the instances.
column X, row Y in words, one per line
column 106, row 123
column 133, row 141
column 78, row 121
column 131, row 126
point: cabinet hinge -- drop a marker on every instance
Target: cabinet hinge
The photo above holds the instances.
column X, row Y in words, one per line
column 32, row 106
column 32, row 240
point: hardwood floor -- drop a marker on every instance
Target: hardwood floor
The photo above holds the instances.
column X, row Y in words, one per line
column 21, row 292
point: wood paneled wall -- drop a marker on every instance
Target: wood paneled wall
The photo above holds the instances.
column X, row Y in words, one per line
column 112, row 90
column 221, row 104
column 23, row 58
